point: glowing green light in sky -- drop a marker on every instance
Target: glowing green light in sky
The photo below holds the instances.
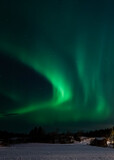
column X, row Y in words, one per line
column 71, row 46
column 51, row 68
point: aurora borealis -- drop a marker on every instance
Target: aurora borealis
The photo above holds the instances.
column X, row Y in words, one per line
column 56, row 64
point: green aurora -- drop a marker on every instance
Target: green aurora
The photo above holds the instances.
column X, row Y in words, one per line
column 56, row 64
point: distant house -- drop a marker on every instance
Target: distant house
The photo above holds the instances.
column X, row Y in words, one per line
column 100, row 142
column 66, row 139
column 4, row 143
column 1, row 142
column 111, row 138
column 86, row 140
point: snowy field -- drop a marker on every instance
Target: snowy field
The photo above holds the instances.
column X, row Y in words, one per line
column 55, row 152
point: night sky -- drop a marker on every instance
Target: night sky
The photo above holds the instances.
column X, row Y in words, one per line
column 56, row 64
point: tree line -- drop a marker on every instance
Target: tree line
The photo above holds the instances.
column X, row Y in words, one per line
column 39, row 134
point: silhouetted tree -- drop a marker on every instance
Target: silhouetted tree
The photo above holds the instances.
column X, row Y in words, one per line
column 37, row 134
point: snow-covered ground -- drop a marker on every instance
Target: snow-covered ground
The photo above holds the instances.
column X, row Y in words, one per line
column 55, row 152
